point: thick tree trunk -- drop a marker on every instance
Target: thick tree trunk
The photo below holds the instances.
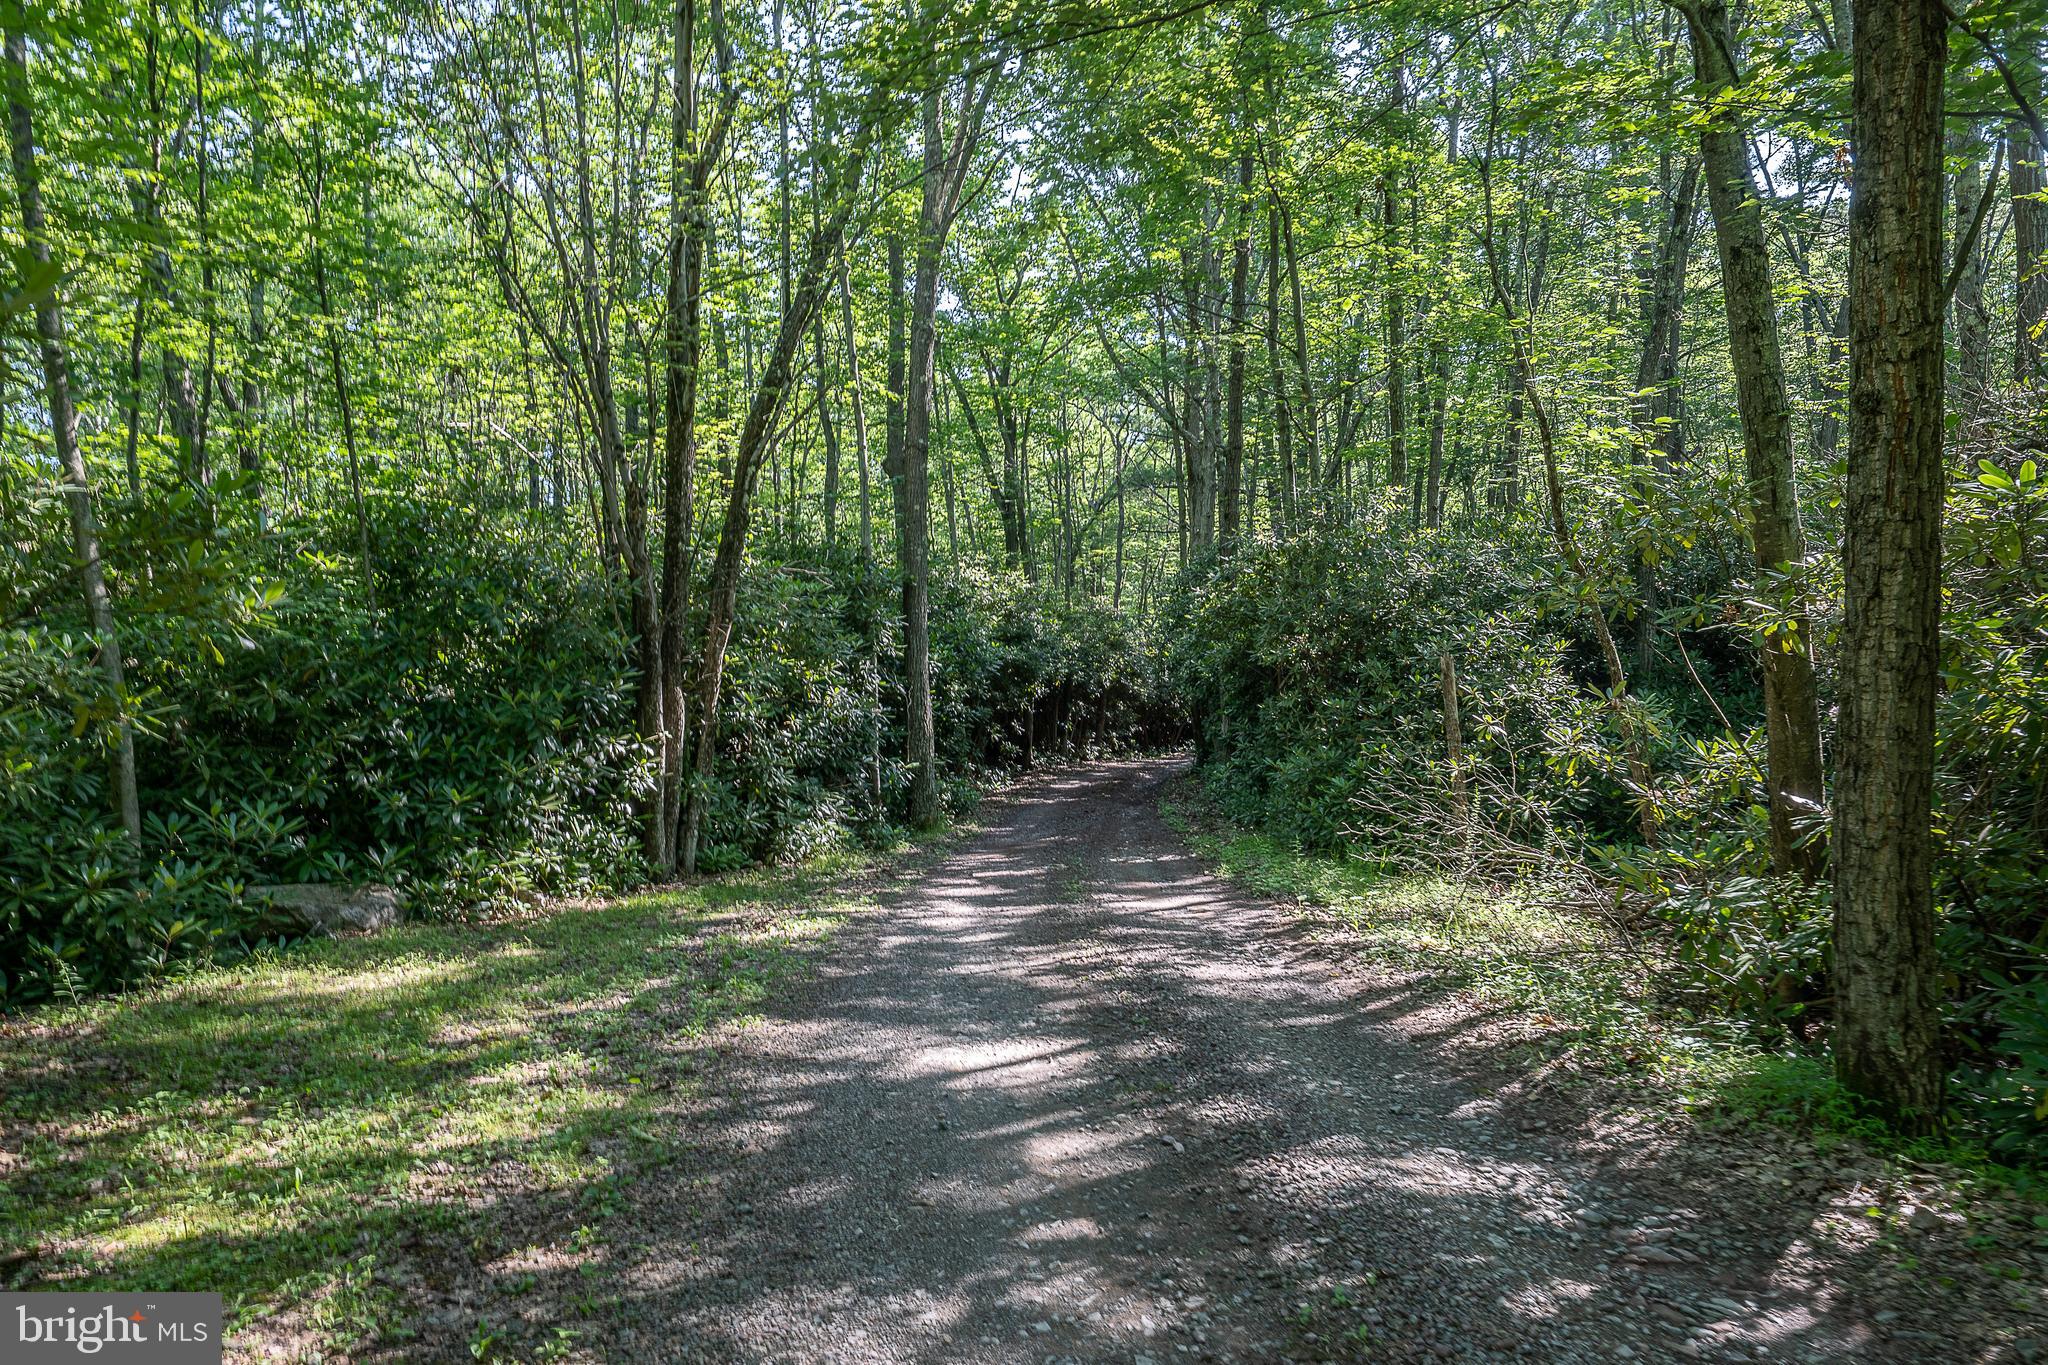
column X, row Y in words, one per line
column 1791, row 704
column 1886, row 977
column 50, row 342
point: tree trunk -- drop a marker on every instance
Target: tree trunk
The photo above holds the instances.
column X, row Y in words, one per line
column 338, row 373
column 1397, row 339
column 892, row 436
column 945, row 173
column 1454, row 749
column 1886, row 977
column 1228, row 512
column 1199, row 457
column 1972, row 318
column 85, row 538
column 259, row 324
column 1655, row 402
column 2030, row 254
column 1439, row 396
column 754, row 443
column 691, row 165
column 860, row 417
column 1791, row 705
column 1283, row 432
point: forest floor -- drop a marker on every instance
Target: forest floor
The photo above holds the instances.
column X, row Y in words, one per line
column 1054, row 1092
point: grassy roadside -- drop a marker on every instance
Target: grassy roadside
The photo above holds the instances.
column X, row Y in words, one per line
column 457, row 1100
column 1575, row 993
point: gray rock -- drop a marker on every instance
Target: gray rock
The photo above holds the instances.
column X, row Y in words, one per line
column 322, row 908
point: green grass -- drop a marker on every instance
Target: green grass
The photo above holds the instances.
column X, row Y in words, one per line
column 1512, row 948
column 273, row 1129
column 1587, row 996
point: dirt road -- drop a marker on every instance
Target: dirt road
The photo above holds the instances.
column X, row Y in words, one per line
column 1069, row 1097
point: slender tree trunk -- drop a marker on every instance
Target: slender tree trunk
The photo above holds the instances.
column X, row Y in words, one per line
column 338, row 373
column 2030, row 256
column 1654, row 406
column 1309, row 437
column 259, row 323
column 1116, row 594
column 85, row 538
column 133, row 398
column 1397, row 339
column 945, row 172
column 1887, row 1024
column 1791, row 704
column 1454, row 748
column 755, row 437
column 1439, row 397
column 1972, row 318
column 1197, row 458
column 1283, row 434
column 1619, row 703
column 691, row 165
column 1233, row 409
column 892, row 448
column 860, row 419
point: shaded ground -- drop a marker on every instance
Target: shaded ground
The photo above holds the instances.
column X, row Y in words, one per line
column 1055, row 1095
column 1071, row 1098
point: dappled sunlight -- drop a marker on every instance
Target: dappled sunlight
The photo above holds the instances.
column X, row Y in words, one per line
column 1077, row 1071
column 360, row 1093
column 1004, row 1120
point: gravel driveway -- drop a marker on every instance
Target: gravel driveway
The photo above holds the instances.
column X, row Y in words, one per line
column 1069, row 1097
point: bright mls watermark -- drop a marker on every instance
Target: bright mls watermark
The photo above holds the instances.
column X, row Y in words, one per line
column 161, row 1329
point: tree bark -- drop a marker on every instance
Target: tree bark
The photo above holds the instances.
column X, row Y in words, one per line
column 1886, row 977
column 1397, row 338
column 1655, row 402
column 945, row 173
column 748, row 457
column 1283, row 429
column 691, row 165
column 50, row 344
column 1228, row 511
column 2030, row 255
column 1972, row 318
column 1439, row 397
column 1791, row 704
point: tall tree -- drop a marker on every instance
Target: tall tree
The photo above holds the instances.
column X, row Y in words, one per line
column 947, row 157
column 1887, row 1032
column 1791, row 702
column 51, row 348
column 694, row 155
column 755, row 442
